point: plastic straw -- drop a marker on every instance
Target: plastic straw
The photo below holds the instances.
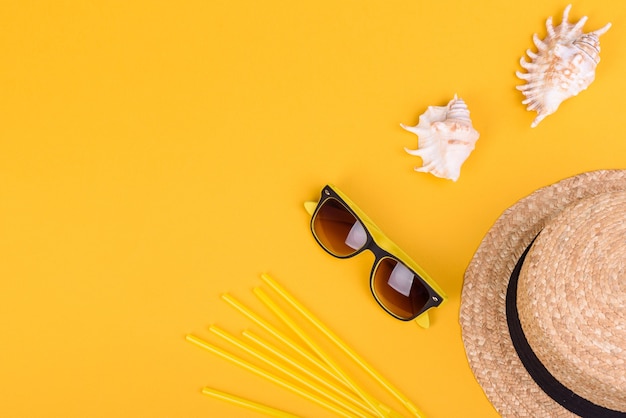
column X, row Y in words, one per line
column 291, row 361
column 279, row 335
column 339, row 343
column 318, row 350
column 295, row 376
column 269, row 376
column 254, row 406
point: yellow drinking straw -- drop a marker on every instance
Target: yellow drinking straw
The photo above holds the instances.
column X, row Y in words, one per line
column 291, row 361
column 269, row 376
column 253, row 406
column 318, row 350
column 295, row 376
column 279, row 335
column 344, row 386
column 339, row 343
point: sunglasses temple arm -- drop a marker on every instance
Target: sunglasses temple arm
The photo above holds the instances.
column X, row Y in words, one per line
column 310, row 206
column 423, row 320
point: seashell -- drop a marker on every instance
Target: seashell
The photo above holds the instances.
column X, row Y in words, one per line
column 445, row 139
column 563, row 66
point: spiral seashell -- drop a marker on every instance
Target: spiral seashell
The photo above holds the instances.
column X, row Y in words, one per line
column 445, row 139
column 563, row 66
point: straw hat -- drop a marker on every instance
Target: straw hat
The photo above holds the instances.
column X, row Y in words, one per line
column 555, row 344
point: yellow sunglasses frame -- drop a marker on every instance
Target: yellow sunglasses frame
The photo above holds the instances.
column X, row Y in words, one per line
column 384, row 243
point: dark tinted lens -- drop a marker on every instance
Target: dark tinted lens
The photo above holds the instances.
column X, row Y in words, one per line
column 399, row 289
column 338, row 230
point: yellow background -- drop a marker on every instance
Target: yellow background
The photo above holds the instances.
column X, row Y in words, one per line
column 154, row 155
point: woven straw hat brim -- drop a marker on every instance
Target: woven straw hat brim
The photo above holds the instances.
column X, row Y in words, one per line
column 488, row 345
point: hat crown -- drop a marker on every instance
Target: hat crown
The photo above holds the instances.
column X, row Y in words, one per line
column 493, row 336
column 571, row 298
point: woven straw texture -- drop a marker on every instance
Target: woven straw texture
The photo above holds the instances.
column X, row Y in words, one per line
column 488, row 345
column 569, row 298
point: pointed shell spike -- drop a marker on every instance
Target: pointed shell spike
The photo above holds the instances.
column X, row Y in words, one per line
column 602, row 30
column 579, row 25
column 566, row 13
column 563, row 66
column 549, row 27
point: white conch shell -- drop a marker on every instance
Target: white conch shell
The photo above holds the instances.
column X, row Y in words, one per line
column 563, row 66
column 445, row 139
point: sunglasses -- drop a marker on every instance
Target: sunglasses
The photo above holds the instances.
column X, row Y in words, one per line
column 399, row 285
